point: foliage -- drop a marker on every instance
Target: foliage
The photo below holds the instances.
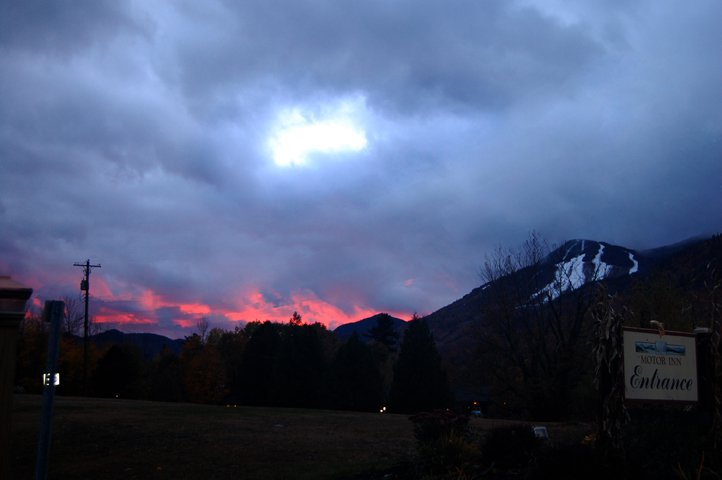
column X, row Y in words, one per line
column 165, row 381
column 571, row 462
column 296, row 319
column 202, row 371
column 118, row 373
column 510, row 446
column 661, row 440
column 443, row 442
column 609, row 375
column 384, row 332
column 355, row 382
column 420, row 382
column 231, row 346
column 260, row 365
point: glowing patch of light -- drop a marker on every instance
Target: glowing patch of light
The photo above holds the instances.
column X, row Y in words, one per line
column 299, row 134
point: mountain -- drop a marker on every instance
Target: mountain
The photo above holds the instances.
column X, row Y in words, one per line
column 362, row 327
column 149, row 344
column 456, row 327
column 573, row 264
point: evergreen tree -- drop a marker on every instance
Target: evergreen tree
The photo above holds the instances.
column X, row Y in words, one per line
column 296, row 319
column 301, row 366
column 118, row 372
column 420, row 383
column 165, row 381
column 355, row 382
column 231, row 346
column 384, row 332
column 259, row 370
column 203, row 371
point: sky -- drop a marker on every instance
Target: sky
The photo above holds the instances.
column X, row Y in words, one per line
column 242, row 160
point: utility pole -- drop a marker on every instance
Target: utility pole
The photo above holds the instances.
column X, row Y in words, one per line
column 85, row 287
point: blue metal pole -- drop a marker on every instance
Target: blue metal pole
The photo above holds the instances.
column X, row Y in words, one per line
column 54, row 312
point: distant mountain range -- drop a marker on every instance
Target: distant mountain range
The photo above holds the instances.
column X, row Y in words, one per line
column 149, row 344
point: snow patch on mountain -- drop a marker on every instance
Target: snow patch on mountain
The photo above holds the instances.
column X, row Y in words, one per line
column 601, row 269
column 572, row 273
column 635, row 264
column 568, row 275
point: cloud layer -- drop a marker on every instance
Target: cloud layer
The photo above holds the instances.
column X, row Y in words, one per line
column 138, row 135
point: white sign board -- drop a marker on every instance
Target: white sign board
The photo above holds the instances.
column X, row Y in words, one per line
column 660, row 367
column 46, row 379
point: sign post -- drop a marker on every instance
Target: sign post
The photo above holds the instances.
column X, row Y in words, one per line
column 54, row 312
column 660, row 366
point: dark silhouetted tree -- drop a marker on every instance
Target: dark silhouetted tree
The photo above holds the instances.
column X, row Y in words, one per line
column 419, row 383
column 355, row 382
column 296, row 319
column 384, row 332
column 302, row 365
column 166, row 381
column 118, row 373
column 202, row 371
column 259, row 370
column 231, row 346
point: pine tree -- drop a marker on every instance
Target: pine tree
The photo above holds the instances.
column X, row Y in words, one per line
column 355, row 380
column 420, row 383
column 259, row 370
column 384, row 332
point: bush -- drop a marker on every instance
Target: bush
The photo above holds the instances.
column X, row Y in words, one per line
column 443, row 442
column 510, row 446
column 432, row 426
column 571, row 462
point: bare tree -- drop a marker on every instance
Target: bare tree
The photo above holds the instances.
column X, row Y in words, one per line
column 74, row 316
column 536, row 329
column 202, row 326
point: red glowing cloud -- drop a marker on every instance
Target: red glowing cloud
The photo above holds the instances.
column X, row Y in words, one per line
column 195, row 308
column 254, row 306
column 127, row 307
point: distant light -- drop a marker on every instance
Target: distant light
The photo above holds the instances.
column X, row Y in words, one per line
column 382, row 410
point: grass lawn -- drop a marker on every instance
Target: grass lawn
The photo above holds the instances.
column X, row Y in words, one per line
column 124, row 439
column 130, row 439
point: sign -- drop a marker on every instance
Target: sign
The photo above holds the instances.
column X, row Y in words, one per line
column 46, row 379
column 660, row 366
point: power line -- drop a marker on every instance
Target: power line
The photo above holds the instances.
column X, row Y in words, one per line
column 85, row 287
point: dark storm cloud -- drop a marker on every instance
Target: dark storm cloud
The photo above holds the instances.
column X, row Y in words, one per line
column 405, row 56
column 136, row 134
column 59, row 28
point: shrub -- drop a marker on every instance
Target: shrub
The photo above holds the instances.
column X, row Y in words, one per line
column 510, row 446
column 443, row 442
column 571, row 462
column 432, row 426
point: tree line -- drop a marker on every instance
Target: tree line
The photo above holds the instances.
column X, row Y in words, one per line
column 292, row 364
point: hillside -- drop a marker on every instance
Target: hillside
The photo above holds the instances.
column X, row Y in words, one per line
column 149, row 344
column 457, row 326
column 362, row 327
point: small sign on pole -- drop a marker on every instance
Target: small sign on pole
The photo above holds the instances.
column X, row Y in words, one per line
column 46, row 379
column 660, row 366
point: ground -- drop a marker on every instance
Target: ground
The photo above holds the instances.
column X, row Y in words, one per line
column 127, row 439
